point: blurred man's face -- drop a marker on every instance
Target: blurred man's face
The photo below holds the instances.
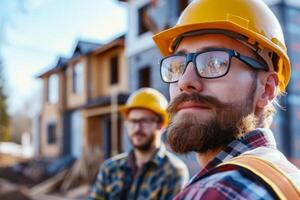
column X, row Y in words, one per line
column 143, row 128
column 205, row 113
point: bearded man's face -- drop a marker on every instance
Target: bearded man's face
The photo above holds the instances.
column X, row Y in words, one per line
column 208, row 113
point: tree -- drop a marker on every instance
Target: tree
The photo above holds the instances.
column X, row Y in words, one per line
column 21, row 121
column 4, row 117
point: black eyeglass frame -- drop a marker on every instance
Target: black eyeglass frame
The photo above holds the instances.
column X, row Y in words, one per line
column 191, row 57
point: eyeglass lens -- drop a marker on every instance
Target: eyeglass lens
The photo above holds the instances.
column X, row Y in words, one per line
column 144, row 122
column 208, row 64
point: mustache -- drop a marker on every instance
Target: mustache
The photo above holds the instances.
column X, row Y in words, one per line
column 197, row 98
column 138, row 133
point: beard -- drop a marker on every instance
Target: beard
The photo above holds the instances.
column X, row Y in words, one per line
column 146, row 145
column 188, row 132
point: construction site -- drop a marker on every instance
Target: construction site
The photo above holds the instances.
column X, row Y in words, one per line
column 77, row 124
column 64, row 178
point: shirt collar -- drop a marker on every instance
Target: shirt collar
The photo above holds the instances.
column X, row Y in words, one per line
column 251, row 140
column 157, row 158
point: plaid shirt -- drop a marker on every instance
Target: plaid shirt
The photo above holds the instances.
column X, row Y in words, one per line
column 237, row 183
column 160, row 178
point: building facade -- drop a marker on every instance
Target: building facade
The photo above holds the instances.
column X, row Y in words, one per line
column 81, row 97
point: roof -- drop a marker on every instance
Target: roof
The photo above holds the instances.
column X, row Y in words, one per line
column 60, row 64
column 118, row 41
column 84, row 47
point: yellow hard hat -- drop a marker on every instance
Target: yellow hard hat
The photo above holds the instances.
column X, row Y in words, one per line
column 150, row 99
column 250, row 18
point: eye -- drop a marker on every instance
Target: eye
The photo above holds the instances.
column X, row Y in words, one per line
column 212, row 63
column 177, row 70
column 215, row 66
column 217, row 63
column 177, row 67
column 172, row 68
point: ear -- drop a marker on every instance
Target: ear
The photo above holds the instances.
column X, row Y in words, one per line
column 268, row 89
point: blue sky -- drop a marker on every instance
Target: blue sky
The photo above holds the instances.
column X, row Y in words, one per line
column 38, row 31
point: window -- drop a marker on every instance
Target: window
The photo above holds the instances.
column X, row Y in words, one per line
column 107, row 132
column 114, row 70
column 76, row 133
column 141, row 22
column 78, row 78
column 51, row 133
column 157, row 15
column 144, row 77
column 53, row 89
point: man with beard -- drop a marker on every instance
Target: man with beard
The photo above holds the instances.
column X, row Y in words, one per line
column 233, row 65
column 149, row 171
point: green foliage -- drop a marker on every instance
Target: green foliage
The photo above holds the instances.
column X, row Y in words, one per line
column 4, row 117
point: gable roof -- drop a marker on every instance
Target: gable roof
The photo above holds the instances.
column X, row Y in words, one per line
column 117, row 41
column 84, row 47
column 60, row 64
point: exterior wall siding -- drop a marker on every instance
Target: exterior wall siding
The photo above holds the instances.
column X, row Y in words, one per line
column 75, row 100
column 51, row 115
column 100, row 74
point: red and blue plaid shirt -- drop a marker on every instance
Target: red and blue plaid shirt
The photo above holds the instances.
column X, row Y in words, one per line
column 236, row 183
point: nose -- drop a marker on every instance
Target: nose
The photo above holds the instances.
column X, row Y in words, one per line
column 190, row 81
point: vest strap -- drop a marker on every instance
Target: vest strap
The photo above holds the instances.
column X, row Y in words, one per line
column 269, row 173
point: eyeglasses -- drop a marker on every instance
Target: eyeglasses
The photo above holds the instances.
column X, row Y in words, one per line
column 143, row 122
column 209, row 64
